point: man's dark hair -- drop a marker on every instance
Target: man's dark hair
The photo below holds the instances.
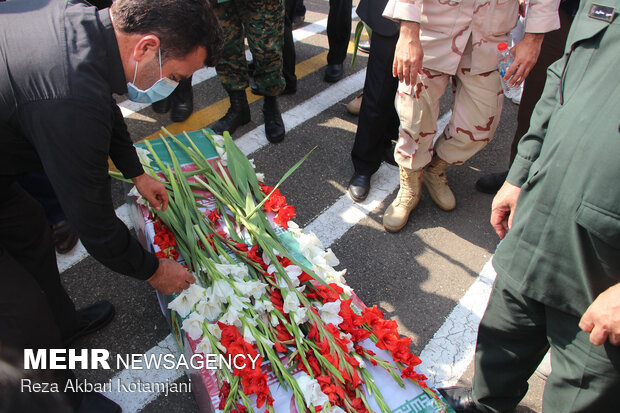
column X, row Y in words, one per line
column 180, row 25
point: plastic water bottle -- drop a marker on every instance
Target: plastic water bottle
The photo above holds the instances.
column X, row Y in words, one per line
column 503, row 62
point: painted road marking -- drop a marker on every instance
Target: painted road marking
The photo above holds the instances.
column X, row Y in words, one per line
column 135, row 401
column 452, row 347
column 255, row 139
column 345, row 213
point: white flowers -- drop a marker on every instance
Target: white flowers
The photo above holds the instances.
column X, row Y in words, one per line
column 221, row 290
column 322, row 261
column 311, row 389
column 237, row 271
column 204, row 347
column 292, row 307
column 329, row 313
column 193, row 325
column 291, row 302
column 209, row 309
column 185, row 302
column 251, row 288
column 292, row 272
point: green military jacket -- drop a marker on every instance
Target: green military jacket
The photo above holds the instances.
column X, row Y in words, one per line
column 564, row 246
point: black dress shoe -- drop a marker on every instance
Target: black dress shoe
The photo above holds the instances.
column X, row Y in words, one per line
column 491, row 183
column 98, row 403
column 359, row 186
column 274, row 125
column 333, row 73
column 460, row 399
column 161, row 106
column 91, row 319
column 182, row 101
column 64, row 236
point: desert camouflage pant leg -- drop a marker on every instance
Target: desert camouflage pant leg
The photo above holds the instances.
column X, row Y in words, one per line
column 262, row 23
column 476, row 110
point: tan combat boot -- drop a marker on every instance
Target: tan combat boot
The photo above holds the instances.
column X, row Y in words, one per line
column 436, row 182
column 397, row 214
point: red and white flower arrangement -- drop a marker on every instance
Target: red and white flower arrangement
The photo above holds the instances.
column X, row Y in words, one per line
column 258, row 295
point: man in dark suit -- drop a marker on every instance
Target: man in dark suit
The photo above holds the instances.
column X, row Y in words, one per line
column 378, row 121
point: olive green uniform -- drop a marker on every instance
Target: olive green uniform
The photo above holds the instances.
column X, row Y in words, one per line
column 563, row 249
column 262, row 23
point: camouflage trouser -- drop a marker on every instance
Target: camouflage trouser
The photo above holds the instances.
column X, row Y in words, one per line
column 476, row 110
column 262, row 22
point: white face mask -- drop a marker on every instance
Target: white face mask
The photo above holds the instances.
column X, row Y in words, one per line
column 160, row 90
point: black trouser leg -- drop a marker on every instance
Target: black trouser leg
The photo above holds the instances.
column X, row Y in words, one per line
column 338, row 30
column 378, row 121
column 28, row 253
column 35, row 310
column 288, row 48
column 40, row 188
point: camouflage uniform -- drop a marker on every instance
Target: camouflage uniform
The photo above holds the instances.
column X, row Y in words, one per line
column 262, row 22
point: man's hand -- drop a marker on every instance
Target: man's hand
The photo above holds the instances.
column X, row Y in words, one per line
column 408, row 55
column 171, row 277
column 602, row 318
column 503, row 208
column 525, row 54
column 152, row 190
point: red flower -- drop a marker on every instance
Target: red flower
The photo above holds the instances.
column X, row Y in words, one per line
column 229, row 334
column 351, row 322
column 372, row 315
column 305, row 277
column 284, row 261
column 279, row 347
column 358, row 405
column 255, row 255
column 224, row 392
column 331, row 389
column 410, row 373
column 241, row 246
column 282, row 333
column 285, row 214
column 276, row 299
column 325, row 294
column 312, row 362
column 253, row 380
column 213, row 215
column 240, row 409
column 273, row 202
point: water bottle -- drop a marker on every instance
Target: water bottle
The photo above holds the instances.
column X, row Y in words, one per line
column 504, row 61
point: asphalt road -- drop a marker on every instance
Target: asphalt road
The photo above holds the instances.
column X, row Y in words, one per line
column 426, row 277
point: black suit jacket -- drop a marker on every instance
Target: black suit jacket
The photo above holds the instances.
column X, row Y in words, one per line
column 370, row 11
